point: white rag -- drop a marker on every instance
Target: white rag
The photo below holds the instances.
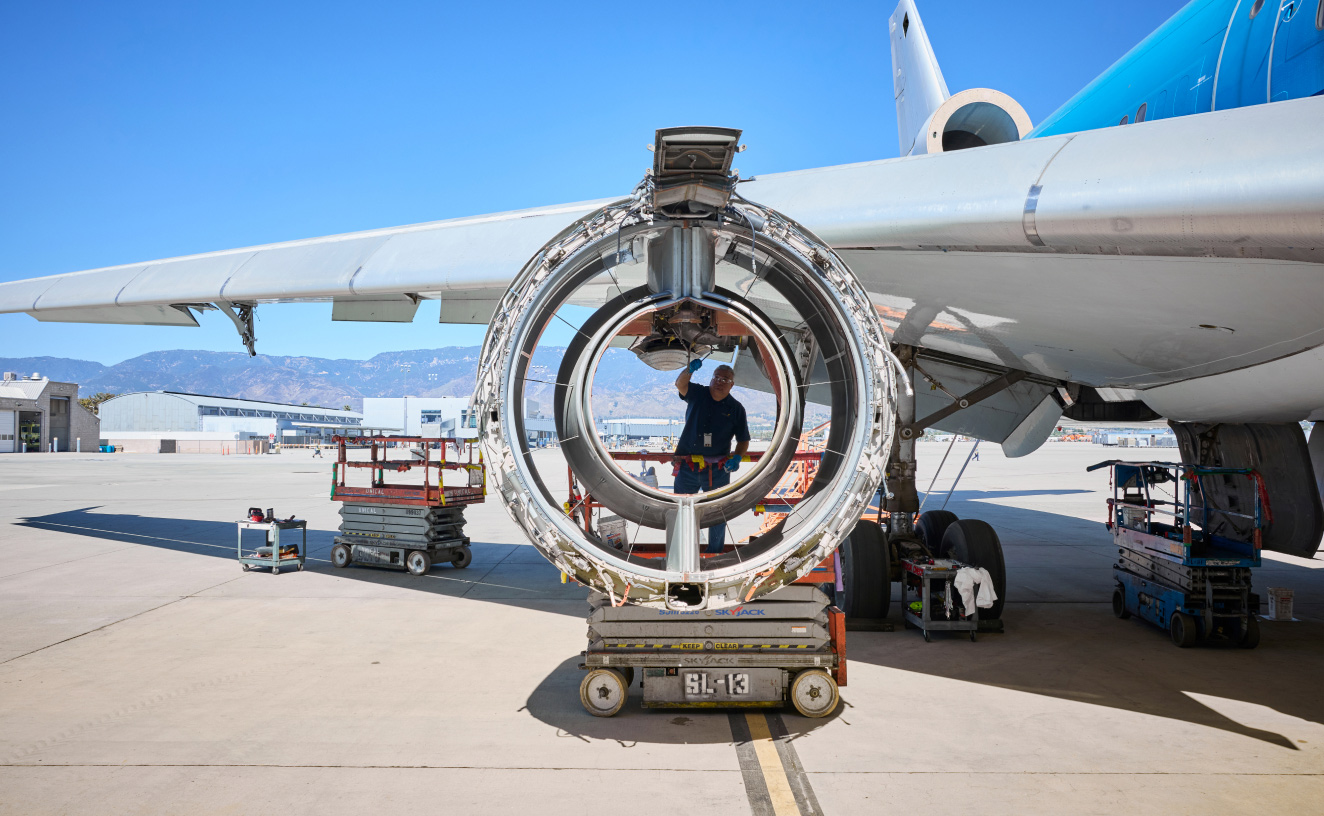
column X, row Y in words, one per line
column 967, row 578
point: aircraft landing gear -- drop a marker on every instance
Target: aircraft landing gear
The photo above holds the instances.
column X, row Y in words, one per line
column 872, row 555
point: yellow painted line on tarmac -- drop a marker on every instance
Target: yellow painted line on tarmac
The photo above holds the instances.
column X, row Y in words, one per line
column 770, row 762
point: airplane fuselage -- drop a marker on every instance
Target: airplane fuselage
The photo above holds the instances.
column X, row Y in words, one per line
column 1211, row 55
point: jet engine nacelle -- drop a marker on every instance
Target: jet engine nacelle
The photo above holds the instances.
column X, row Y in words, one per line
column 973, row 118
column 666, row 243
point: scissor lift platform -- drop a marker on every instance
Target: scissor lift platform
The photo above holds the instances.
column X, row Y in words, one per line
column 1177, row 573
column 403, row 525
column 787, row 646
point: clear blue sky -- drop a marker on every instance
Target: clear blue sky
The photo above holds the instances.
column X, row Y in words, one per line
column 136, row 131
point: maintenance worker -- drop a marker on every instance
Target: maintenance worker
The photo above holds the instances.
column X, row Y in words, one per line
column 712, row 419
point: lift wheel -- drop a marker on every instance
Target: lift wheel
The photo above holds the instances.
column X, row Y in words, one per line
column 603, row 692
column 814, row 693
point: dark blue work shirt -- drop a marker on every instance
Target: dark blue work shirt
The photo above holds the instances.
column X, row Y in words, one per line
column 711, row 422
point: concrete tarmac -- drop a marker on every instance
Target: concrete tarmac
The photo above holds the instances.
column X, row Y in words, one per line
column 141, row 671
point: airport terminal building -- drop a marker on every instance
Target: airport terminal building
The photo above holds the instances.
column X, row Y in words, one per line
column 177, row 422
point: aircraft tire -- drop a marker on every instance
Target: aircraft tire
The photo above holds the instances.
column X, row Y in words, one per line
column 975, row 543
column 865, row 570
column 932, row 526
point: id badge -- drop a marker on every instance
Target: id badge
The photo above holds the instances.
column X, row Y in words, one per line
column 707, row 440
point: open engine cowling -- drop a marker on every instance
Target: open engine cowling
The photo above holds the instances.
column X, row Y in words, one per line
column 682, row 221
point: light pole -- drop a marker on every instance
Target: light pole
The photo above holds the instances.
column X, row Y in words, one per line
column 404, row 402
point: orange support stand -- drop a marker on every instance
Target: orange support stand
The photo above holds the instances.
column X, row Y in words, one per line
column 837, row 637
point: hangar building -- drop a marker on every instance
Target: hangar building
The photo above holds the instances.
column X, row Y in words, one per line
column 177, row 422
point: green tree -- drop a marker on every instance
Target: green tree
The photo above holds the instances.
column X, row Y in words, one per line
column 93, row 403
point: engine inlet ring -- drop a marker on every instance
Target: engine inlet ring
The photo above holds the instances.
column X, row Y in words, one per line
column 854, row 349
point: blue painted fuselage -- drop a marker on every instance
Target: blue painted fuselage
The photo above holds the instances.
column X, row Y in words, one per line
column 1211, row 55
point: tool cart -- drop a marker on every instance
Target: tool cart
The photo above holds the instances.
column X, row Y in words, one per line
column 940, row 610
column 273, row 553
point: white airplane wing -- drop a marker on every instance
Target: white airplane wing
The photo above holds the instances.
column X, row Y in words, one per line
column 372, row 275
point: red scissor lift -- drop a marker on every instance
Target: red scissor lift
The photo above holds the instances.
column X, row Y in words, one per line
column 405, row 524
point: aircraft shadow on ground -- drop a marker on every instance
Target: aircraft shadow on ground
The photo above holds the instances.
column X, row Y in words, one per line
column 1073, row 654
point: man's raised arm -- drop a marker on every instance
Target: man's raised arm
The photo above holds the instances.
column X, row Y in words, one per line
column 683, row 380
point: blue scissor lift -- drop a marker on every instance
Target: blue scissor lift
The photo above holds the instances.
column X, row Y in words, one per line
column 1172, row 570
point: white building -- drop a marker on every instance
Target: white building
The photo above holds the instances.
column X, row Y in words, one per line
column 37, row 414
column 171, row 421
column 1136, row 439
column 444, row 418
column 641, row 428
column 436, row 417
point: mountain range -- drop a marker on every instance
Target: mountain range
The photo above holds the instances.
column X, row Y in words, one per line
column 623, row 387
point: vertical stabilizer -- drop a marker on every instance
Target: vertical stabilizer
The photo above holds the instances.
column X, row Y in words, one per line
column 916, row 77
